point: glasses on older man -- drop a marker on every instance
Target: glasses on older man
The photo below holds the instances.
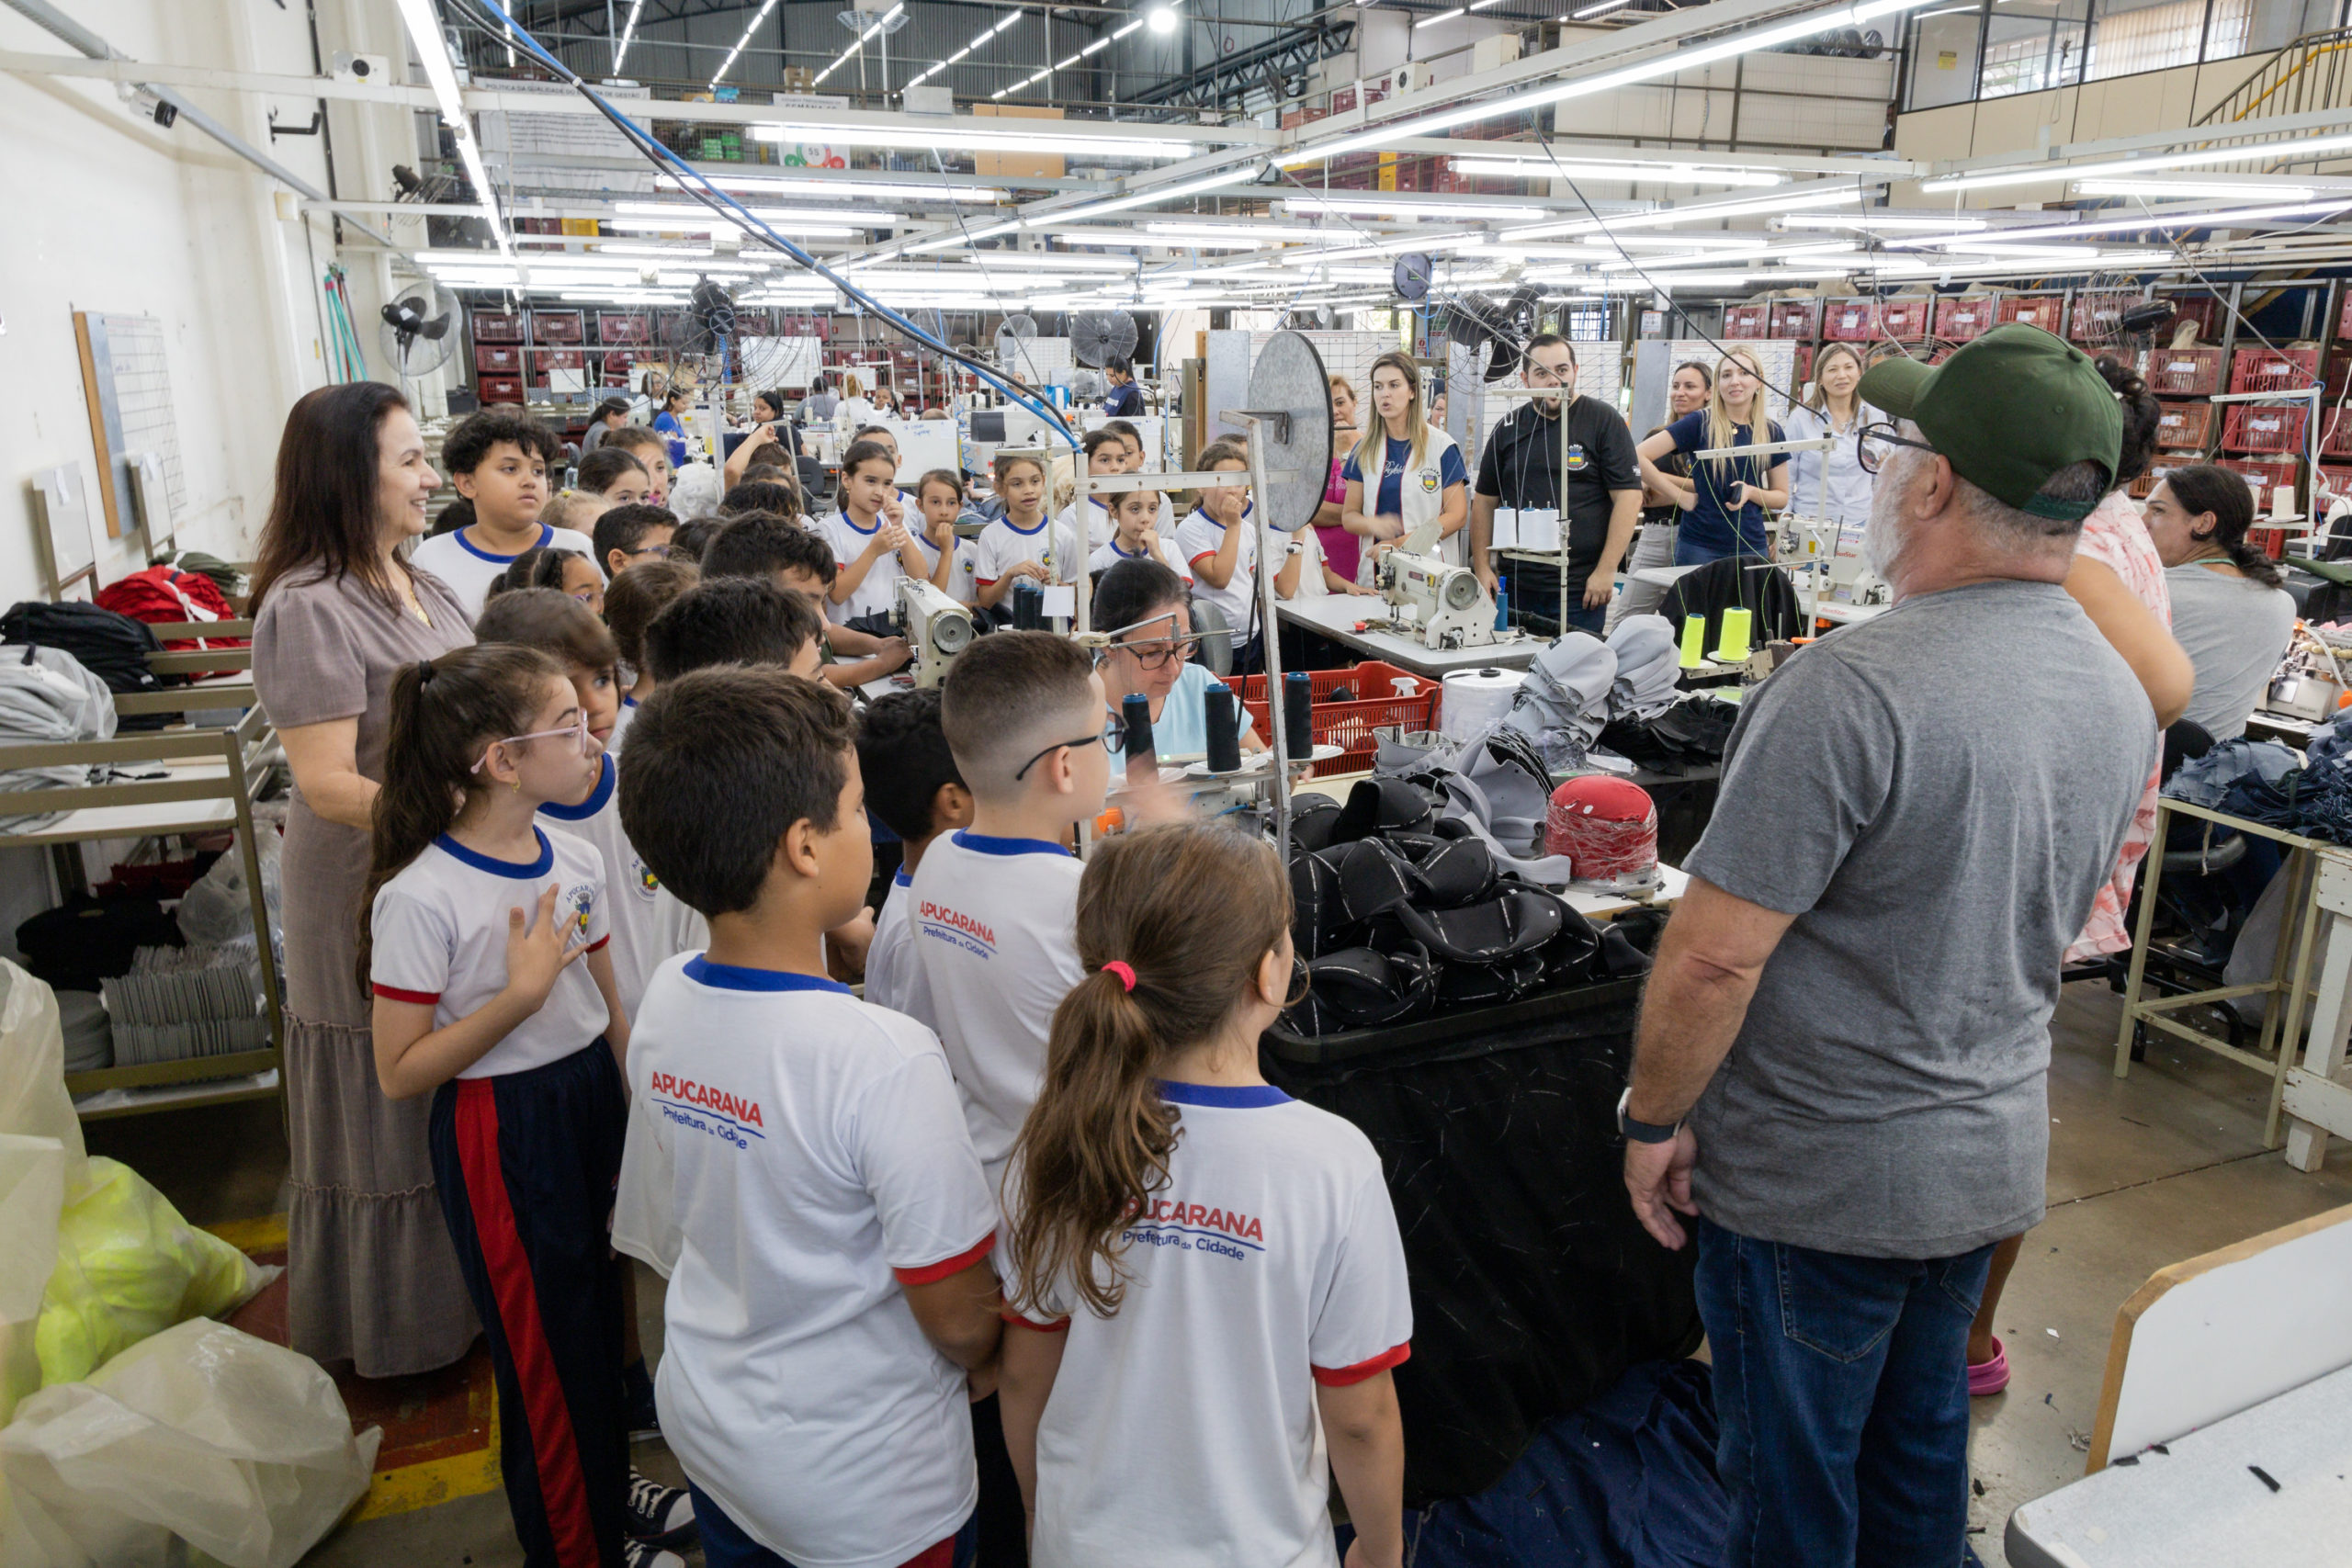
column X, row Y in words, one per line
column 1873, row 444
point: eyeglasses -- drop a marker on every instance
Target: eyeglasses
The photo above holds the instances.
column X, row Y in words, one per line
column 1872, row 441
column 1113, row 737
column 577, row 729
column 659, row 552
column 1155, row 655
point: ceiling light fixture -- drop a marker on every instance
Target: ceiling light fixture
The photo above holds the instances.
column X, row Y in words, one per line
column 1647, row 173
column 432, row 51
column 1441, row 16
column 1671, row 63
column 2278, row 151
column 627, row 33
column 819, row 188
column 1405, row 206
column 1163, row 19
column 1605, row 6
column 728, row 64
column 1877, row 223
column 960, row 138
column 1696, row 212
column 2225, row 190
column 881, row 23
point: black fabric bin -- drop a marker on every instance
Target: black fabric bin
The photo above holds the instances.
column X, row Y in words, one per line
column 1533, row 1286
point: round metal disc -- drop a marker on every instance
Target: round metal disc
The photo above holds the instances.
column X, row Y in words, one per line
column 1288, row 378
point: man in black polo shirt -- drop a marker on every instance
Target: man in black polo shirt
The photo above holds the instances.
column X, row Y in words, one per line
column 1521, row 470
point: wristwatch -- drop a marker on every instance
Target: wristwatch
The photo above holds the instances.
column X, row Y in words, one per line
column 1641, row 1132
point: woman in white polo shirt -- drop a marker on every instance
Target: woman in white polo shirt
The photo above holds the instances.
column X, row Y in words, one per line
column 1205, row 1280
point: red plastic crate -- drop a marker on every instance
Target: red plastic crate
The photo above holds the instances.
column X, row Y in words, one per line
column 1906, row 320
column 2344, row 319
column 1747, row 321
column 2271, row 473
column 2047, row 312
column 1964, row 316
column 1349, row 724
column 2158, row 467
column 2202, row 309
column 2336, row 478
column 1851, row 321
column 1795, row 318
column 620, row 326
column 2336, row 429
column 2264, row 427
column 498, row 358
column 1804, row 363
column 499, row 388
column 2274, row 369
column 563, row 359
column 2098, row 317
column 498, row 326
column 559, row 326
column 2185, row 427
column 2184, row 372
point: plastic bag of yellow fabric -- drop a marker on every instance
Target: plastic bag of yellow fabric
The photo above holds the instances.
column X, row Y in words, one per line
column 239, row 1447
column 128, row 1266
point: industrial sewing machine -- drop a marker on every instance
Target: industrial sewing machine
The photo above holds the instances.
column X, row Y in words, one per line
column 1442, row 605
column 935, row 627
column 1830, row 566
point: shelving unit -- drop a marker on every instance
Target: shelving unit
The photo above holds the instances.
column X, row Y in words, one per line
column 213, row 775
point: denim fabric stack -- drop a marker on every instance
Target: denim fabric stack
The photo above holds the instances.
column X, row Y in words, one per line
column 2266, row 782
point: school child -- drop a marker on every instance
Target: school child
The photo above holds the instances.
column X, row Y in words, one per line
column 763, row 545
column 499, row 460
column 912, row 785
column 762, row 495
column 1136, row 535
column 940, row 495
column 630, row 533
column 1022, row 543
column 889, row 442
column 484, row 940
column 1219, row 547
column 1107, row 453
column 832, row 1289
column 562, row 628
column 617, row 475
column 635, row 597
column 542, row 565
column 649, row 448
column 734, row 620
column 694, row 537
column 872, row 545
column 1127, row 431
column 1190, row 1251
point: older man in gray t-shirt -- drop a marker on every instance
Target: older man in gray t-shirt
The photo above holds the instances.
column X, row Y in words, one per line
column 1851, row 1007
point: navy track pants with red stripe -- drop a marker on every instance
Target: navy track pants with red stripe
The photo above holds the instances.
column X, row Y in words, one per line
column 526, row 1163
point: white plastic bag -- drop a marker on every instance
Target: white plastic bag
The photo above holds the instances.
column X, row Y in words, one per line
column 33, row 1101
column 241, row 1447
column 218, row 908
column 32, row 1191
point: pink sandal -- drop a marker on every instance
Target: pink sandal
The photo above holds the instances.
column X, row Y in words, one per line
column 1989, row 1377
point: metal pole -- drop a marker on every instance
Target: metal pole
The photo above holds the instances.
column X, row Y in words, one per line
column 1270, row 639
column 1083, row 578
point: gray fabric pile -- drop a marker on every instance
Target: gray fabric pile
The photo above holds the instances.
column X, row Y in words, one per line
column 48, row 699
column 1565, row 701
column 1649, row 669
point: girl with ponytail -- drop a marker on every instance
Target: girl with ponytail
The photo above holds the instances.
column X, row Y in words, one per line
column 471, row 938
column 1192, row 1251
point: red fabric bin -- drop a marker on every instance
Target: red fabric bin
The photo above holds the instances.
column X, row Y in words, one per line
column 1349, row 725
column 1965, row 316
column 1851, row 321
column 2047, row 312
column 1747, row 321
column 1795, row 318
column 2264, row 427
column 2262, row 369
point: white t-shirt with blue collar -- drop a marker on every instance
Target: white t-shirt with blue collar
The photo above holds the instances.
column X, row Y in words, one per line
column 469, row 569
column 631, row 891
column 795, row 1158
column 439, row 932
column 888, row 956
column 1002, row 547
column 877, row 593
column 995, row 933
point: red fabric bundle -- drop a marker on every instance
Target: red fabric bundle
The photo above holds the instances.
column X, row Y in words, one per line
column 160, row 596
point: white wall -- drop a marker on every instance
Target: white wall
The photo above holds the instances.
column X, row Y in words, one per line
column 109, row 213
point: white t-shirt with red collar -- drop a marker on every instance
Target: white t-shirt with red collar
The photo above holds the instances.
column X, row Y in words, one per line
column 1198, row 538
column 995, row 927
column 439, row 934
column 807, row 1152
column 1182, row 1430
column 631, row 891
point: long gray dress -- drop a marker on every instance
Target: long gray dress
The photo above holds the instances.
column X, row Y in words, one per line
column 372, row 1273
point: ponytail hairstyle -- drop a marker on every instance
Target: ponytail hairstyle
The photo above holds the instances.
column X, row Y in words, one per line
column 2202, row 488
column 2140, row 413
column 1191, row 911
column 444, row 713
column 541, row 566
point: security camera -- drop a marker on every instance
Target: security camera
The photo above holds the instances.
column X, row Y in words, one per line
column 144, row 101
column 350, row 67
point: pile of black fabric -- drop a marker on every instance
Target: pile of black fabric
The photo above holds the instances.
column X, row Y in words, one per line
column 111, row 646
column 1691, row 734
column 1400, row 913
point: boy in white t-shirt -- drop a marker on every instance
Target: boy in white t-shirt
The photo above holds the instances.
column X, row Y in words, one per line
column 775, row 549
column 832, row 1287
column 1218, row 543
column 1135, row 535
column 914, row 787
column 1206, row 1283
column 499, row 460
column 873, row 545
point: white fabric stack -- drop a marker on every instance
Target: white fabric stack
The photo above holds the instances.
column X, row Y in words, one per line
column 1648, row 668
column 46, row 698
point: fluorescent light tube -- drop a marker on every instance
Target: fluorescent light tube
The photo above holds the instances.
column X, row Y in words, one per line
column 1658, row 173
column 2211, row 189
column 1878, row 224
column 1695, row 212
column 1441, row 16
column 1399, row 207
column 2286, row 152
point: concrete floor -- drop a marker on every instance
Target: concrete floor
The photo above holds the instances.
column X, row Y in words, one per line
column 2144, row 1172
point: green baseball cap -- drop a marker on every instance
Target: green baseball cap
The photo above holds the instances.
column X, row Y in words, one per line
column 2009, row 410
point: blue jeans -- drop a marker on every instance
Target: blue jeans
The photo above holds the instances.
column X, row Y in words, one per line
column 1841, row 1385
column 724, row 1544
column 1690, row 550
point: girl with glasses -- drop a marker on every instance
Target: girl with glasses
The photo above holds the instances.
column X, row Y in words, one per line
column 1144, row 606
column 472, row 939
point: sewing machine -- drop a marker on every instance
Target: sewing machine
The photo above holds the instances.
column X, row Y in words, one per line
column 1442, row 605
column 935, row 627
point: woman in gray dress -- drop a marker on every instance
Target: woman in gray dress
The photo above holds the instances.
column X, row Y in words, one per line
column 337, row 613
